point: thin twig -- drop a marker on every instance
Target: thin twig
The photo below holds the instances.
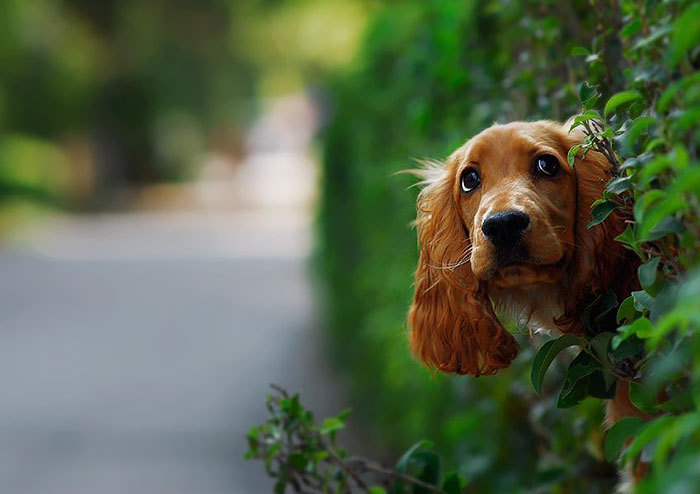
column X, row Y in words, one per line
column 343, row 465
column 372, row 466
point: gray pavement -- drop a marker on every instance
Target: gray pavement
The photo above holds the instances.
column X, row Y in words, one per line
column 135, row 350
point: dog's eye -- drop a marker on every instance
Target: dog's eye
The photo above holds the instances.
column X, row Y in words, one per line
column 470, row 179
column 546, row 165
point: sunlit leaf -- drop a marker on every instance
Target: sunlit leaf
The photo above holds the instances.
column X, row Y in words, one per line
column 641, row 327
column 571, row 155
column 620, row 99
column 331, row 424
column 579, row 50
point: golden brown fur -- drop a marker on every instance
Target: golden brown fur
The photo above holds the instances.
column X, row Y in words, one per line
column 458, row 279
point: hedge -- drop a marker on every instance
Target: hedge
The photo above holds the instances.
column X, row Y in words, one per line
column 431, row 74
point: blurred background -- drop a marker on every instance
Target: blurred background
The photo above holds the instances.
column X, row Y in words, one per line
column 198, row 198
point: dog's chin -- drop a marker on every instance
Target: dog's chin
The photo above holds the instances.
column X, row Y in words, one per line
column 531, row 272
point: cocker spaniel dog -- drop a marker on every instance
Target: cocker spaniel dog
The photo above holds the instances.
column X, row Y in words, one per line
column 503, row 227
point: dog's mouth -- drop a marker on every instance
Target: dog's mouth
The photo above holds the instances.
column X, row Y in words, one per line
column 513, row 256
column 526, row 271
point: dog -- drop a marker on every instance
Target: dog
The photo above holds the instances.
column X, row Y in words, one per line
column 503, row 228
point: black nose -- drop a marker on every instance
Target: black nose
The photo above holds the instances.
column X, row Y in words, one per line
column 504, row 229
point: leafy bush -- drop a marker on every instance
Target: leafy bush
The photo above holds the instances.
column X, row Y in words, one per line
column 307, row 457
column 431, row 74
column 651, row 131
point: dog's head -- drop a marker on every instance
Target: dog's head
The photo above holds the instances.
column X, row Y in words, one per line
column 505, row 210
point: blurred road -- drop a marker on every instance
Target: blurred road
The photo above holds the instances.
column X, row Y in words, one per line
column 135, row 350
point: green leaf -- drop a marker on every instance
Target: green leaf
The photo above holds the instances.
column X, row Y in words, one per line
column 419, row 462
column 377, row 490
column 571, row 155
column 600, row 344
column 620, row 99
column 653, row 144
column 454, row 483
column 648, row 434
column 585, row 117
column 677, row 87
column 656, row 33
column 647, row 272
column 588, row 95
column 619, row 185
column 641, row 328
column 686, row 33
column 402, row 464
column 681, row 401
column 579, row 50
column 626, row 311
column 622, row 430
column 627, row 348
column 639, row 127
column 683, row 426
column 631, row 28
column 668, row 225
column 602, row 385
column 660, row 211
column 572, row 395
column 319, row 456
column 628, row 238
column 331, row 424
column 298, row 461
column 597, row 383
column 645, row 201
column 642, row 300
column 344, row 414
column 592, row 318
column 426, row 466
column 643, row 397
column 546, row 355
column 600, row 212
column 575, row 386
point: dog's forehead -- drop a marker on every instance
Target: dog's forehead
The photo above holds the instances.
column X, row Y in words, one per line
column 507, row 140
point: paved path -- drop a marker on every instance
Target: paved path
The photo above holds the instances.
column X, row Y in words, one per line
column 135, row 350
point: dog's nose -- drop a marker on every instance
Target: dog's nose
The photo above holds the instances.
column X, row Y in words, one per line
column 504, row 229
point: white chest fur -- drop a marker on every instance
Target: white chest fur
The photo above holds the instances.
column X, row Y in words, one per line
column 534, row 306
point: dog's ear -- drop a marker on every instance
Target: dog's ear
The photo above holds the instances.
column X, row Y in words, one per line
column 599, row 262
column 452, row 324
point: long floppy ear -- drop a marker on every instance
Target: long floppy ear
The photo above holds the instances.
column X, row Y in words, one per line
column 599, row 263
column 452, row 325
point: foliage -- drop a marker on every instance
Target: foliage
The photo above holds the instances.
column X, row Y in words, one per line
column 112, row 94
column 141, row 83
column 650, row 133
column 306, row 457
column 431, row 74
